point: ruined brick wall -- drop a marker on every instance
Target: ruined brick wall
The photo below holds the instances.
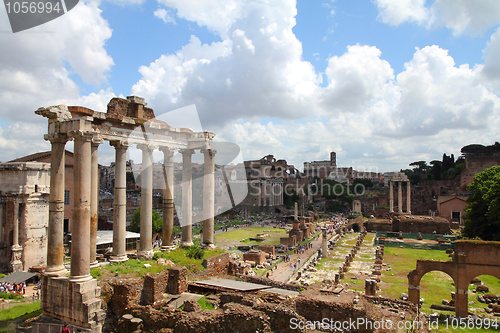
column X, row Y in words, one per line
column 423, row 225
column 217, row 265
column 154, row 287
column 477, row 252
column 268, row 249
column 177, row 280
column 125, row 294
column 258, row 257
column 378, row 225
column 268, row 282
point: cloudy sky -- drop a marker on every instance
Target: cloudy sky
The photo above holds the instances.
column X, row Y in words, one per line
column 383, row 82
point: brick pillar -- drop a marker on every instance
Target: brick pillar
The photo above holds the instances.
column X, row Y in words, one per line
column 120, row 203
column 408, row 197
column 391, row 197
column 55, row 230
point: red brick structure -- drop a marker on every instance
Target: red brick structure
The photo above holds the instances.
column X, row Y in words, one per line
column 452, row 208
column 470, row 259
column 258, row 257
column 268, row 249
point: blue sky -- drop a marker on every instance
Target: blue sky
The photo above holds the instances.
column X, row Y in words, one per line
column 383, row 82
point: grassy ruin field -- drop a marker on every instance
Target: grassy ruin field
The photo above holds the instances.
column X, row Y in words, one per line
column 242, row 236
column 434, row 286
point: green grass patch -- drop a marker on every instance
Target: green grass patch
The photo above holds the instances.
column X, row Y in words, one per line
column 205, row 304
column 20, row 310
column 243, row 235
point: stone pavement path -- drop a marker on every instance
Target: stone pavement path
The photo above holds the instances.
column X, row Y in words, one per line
column 283, row 273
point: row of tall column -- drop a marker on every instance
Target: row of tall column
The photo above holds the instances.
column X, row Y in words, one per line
column 270, row 194
column 86, row 202
column 400, row 197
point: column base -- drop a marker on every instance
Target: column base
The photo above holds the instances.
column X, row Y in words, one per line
column 186, row 243
column 208, row 246
column 94, row 264
column 167, row 247
column 80, row 278
column 16, row 264
column 145, row 254
column 121, row 258
column 56, row 271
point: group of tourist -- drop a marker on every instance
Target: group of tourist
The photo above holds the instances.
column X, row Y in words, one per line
column 19, row 288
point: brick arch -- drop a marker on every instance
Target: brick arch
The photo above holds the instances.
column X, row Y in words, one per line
column 470, row 259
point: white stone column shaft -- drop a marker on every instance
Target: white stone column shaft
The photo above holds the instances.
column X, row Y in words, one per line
column 55, row 230
column 168, row 199
column 120, row 203
column 80, row 233
column 208, row 196
column 145, row 243
column 187, row 198
column 94, row 201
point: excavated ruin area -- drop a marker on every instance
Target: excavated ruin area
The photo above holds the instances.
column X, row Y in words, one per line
column 247, row 312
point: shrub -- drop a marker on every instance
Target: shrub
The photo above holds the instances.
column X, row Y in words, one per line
column 195, row 252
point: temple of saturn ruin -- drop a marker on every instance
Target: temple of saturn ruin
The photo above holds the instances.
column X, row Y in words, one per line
column 127, row 122
column 400, row 178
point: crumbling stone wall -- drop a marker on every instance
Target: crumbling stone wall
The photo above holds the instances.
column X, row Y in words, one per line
column 269, row 282
column 424, row 224
column 258, row 257
column 218, row 265
column 131, row 292
column 268, row 249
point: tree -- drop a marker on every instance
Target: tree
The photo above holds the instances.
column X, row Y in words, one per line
column 135, row 225
column 482, row 217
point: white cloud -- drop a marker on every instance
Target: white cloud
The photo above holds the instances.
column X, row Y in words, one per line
column 396, row 12
column 256, row 67
column 164, row 15
column 356, row 78
column 460, row 16
column 492, row 57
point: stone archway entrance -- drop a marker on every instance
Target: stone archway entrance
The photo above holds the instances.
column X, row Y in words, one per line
column 470, row 259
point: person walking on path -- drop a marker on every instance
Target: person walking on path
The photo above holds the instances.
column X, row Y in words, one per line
column 65, row 329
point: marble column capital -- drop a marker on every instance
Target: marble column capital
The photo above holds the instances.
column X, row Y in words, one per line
column 208, row 151
column 167, row 151
column 81, row 135
column 119, row 144
column 96, row 141
column 56, row 137
column 186, row 151
column 144, row 146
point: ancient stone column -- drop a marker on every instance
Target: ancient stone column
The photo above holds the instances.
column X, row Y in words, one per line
column 391, row 197
column 400, row 198
column 187, row 198
column 55, row 230
column 408, row 198
column 94, row 200
column 259, row 194
column 296, row 211
column 120, row 203
column 208, row 196
column 146, row 241
column 168, row 199
column 324, row 243
column 15, row 263
column 80, row 232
